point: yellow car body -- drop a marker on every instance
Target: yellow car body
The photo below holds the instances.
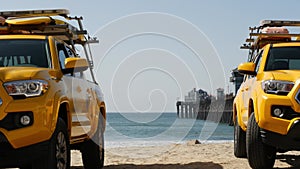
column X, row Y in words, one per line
column 45, row 108
column 277, row 113
column 266, row 109
column 43, row 85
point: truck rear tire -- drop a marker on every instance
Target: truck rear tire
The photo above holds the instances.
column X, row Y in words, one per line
column 259, row 154
column 58, row 155
column 93, row 150
column 239, row 141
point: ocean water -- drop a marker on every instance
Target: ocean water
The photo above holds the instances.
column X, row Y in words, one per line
column 148, row 129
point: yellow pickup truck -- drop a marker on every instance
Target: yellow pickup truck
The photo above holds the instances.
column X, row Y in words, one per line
column 266, row 109
column 50, row 101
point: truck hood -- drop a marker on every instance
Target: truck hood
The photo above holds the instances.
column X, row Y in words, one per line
column 22, row 73
column 284, row 75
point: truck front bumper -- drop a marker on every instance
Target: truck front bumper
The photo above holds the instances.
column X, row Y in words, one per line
column 11, row 157
column 291, row 141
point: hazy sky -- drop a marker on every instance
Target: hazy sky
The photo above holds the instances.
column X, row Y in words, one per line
column 151, row 53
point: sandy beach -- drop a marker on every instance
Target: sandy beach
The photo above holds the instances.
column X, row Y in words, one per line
column 183, row 156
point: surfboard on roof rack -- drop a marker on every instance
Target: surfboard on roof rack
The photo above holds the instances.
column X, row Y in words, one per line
column 41, row 22
column 29, row 21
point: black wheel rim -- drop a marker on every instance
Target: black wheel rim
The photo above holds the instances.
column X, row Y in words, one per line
column 61, row 151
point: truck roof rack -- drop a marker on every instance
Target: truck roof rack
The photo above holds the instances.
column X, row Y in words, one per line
column 26, row 13
column 265, row 23
column 257, row 38
column 45, row 22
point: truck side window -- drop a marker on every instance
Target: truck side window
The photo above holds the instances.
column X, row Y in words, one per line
column 64, row 52
column 62, row 58
column 70, row 52
column 61, row 55
column 257, row 61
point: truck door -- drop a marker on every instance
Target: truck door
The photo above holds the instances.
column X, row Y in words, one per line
column 77, row 92
column 247, row 89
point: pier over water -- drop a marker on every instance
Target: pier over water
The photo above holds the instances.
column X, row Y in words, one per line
column 199, row 105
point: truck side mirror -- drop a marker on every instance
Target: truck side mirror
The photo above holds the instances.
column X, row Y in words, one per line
column 247, row 68
column 73, row 65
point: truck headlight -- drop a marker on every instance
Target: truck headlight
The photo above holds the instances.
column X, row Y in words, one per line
column 277, row 87
column 28, row 88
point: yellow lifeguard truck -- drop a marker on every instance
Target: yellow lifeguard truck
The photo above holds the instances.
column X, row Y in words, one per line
column 50, row 101
column 266, row 109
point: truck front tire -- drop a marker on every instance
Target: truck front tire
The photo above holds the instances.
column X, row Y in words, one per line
column 58, row 155
column 260, row 155
column 239, row 141
column 93, row 150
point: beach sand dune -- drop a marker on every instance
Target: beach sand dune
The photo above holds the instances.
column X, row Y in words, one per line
column 183, row 156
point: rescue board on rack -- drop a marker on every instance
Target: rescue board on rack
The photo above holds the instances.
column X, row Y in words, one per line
column 28, row 21
column 44, row 22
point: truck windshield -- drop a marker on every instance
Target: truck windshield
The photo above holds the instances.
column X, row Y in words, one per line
column 24, row 52
column 283, row 58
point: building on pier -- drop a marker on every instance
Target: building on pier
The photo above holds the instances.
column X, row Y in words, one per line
column 195, row 101
column 199, row 105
